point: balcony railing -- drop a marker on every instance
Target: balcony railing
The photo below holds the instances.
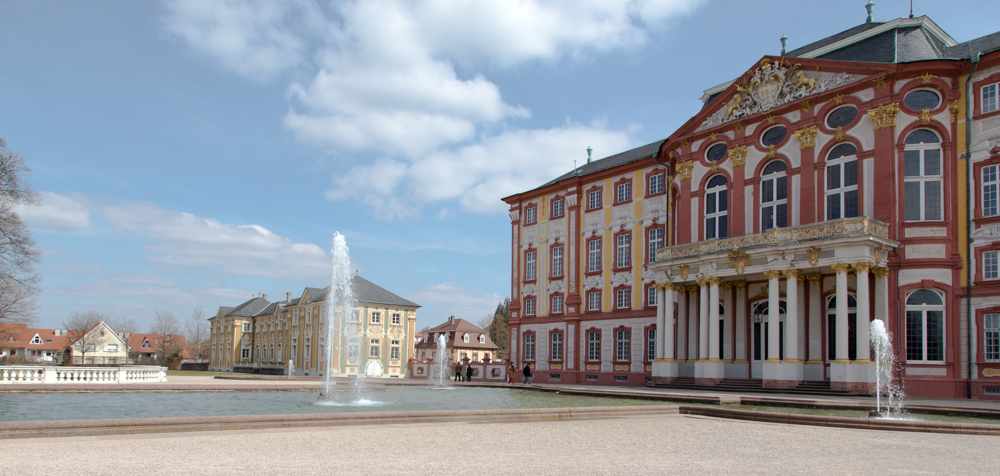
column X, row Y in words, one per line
column 826, row 229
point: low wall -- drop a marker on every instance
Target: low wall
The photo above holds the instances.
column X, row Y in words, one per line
column 15, row 374
column 481, row 371
column 202, row 366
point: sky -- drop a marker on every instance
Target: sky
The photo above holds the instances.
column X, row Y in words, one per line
column 193, row 154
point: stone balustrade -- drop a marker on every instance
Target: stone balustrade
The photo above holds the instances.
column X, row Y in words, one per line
column 14, row 374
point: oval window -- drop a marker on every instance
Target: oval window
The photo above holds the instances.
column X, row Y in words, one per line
column 717, row 152
column 841, row 117
column 773, row 136
column 922, row 99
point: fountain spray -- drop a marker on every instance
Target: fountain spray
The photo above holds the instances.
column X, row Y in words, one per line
column 339, row 306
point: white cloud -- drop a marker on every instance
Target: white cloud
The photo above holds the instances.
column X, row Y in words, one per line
column 450, row 299
column 56, row 213
column 182, row 241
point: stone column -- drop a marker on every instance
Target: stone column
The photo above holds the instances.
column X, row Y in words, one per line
column 815, row 319
column 792, row 314
column 660, row 327
column 840, row 353
column 703, row 345
column 682, row 312
column 881, row 294
column 863, row 318
column 727, row 328
column 692, row 324
column 666, row 336
column 713, row 318
column 773, row 315
column 741, row 321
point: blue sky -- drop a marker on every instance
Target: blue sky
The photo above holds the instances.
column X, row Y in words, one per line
column 193, row 153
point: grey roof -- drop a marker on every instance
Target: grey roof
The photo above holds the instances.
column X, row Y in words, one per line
column 833, row 39
column 983, row 44
column 902, row 44
column 364, row 291
column 250, row 308
column 611, row 161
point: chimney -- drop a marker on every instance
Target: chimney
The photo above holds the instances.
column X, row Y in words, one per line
column 451, row 320
column 263, row 296
column 288, row 296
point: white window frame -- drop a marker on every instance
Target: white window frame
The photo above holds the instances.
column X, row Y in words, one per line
column 530, row 269
column 594, row 255
column 923, row 179
column 772, row 180
column 593, row 346
column 556, row 346
column 841, row 190
column 923, row 310
column 623, row 345
column 623, row 298
column 36, row 340
column 655, row 242
column 991, row 190
column 557, row 304
column 624, row 192
column 465, row 338
column 651, row 344
column 558, row 208
column 245, row 354
column 530, row 215
column 246, row 326
column 713, row 229
column 482, row 339
column 529, row 306
column 397, row 319
column 593, row 300
column 651, row 296
column 991, row 264
column 594, row 199
column 376, row 317
column 990, row 97
column 623, row 250
column 375, row 349
column 394, row 350
column 557, row 261
column 355, row 316
column 991, row 337
column 655, row 184
column 529, row 347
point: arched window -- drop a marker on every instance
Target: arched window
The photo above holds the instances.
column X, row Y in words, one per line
column 774, row 196
column 924, row 326
column 272, row 354
column 831, row 327
column 279, row 353
column 759, row 317
column 842, row 182
column 923, row 179
column 716, row 208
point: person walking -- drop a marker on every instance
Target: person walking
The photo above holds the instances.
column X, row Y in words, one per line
column 458, row 372
column 511, row 373
column 468, row 373
column 527, row 374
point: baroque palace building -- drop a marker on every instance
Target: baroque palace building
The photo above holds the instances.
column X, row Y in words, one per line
column 820, row 190
column 259, row 336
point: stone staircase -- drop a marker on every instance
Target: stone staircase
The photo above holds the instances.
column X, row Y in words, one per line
column 754, row 386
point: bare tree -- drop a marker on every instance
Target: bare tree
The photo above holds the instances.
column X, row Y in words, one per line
column 165, row 327
column 124, row 326
column 197, row 333
column 485, row 321
column 18, row 255
column 77, row 326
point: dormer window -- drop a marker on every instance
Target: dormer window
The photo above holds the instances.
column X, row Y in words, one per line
column 465, row 338
column 36, row 339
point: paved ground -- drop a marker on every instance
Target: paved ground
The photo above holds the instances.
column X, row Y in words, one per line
column 660, row 445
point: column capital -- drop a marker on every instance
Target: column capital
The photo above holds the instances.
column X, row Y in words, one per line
column 862, row 266
column 682, row 290
column 792, row 273
column 814, row 278
column 692, row 289
column 726, row 286
column 740, row 284
column 773, row 274
column 880, row 271
column 667, row 286
column 702, row 282
column 716, row 280
column 841, row 267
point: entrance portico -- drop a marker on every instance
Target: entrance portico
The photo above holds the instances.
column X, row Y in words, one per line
column 781, row 277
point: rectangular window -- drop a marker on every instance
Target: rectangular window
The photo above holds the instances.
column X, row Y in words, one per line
column 397, row 319
column 651, row 296
column 622, row 298
column 624, row 192
column 655, row 184
column 623, row 345
column 990, row 102
column 650, row 345
column 111, row 347
column 624, row 251
column 557, row 208
column 925, row 336
column 922, row 199
column 246, row 326
column 557, row 261
column 529, row 215
column 355, row 316
column 529, row 266
column 529, row 307
column 842, row 190
column 655, row 242
column 991, row 270
column 593, row 346
column 774, row 203
column 374, row 348
column 376, row 318
column 990, row 185
column 557, row 304
column 991, row 337
column 557, row 346
column 594, row 301
column 245, row 354
column 593, row 199
column 529, row 347
column 594, row 255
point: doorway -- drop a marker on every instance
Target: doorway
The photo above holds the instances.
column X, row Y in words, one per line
column 758, row 336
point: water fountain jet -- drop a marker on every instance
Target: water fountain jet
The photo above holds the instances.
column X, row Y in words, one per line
column 339, row 309
column 885, row 365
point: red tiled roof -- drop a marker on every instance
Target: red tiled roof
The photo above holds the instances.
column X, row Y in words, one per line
column 20, row 336
column 135, row 341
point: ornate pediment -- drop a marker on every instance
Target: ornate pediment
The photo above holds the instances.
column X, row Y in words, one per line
column 557, row 286
column 772, row 85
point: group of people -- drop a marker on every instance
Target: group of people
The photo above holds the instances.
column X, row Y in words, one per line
column 458, row 373
column 511, row 373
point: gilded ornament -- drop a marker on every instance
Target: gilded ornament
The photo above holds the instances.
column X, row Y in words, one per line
column 713, row 136
column 839, row 135
column 925, row 116
column 839, row 99
column 684, row 170
column 841, row 267
column 792, row 273
column 715, row 167
column 814, row 278
column 684, row 142
column 878, row 254
column 738, row 127
column 773, row 274
column 740, row 260
column 740, row 284
column 862, row 267
column 714, row 280
column 770, row 118
column 703, row 282
column 879, row 82
column 726, row 286
column 927, row 77
column 692, row 289
column 738, row 155
column 883, row 116
column 684, row 271
column 806, row 105
column 682, row 289
column 762, row 292
column 771, row 151
column 813, row 255
column 880, row 271
column 953, row 109
column 806, row 137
